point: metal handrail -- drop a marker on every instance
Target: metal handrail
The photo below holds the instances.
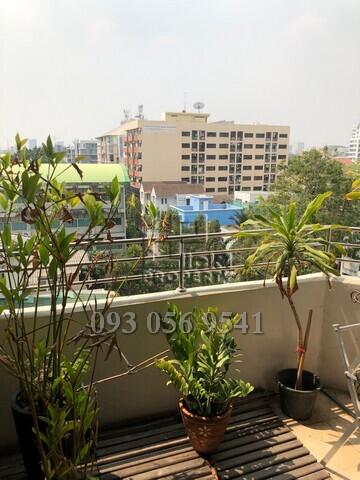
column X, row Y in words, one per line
column 181, row 256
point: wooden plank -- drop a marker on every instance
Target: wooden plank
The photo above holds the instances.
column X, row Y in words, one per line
column 105, row 464
column 154, row 464
column 137, row 426
column 147, row 449
column 265, row 433
column 249, row 460
column 309, row 471
column 168, row 470
column 141, row 442
column 266, row 445
column 142, row 434
column 270, row 467
column 202, row 473
column 321, row 475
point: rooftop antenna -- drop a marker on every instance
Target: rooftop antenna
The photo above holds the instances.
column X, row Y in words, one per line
column 185, row 95
column 199, row 106
column 126, row 115
column 140, row 114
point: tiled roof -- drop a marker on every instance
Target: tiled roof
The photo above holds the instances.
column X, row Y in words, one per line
column 167, row 189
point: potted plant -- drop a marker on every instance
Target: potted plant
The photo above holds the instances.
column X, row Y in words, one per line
column 54, row 359
column 290, row 246
column 203, row 349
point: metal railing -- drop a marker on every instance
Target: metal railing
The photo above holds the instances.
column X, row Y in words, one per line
column 184, row 258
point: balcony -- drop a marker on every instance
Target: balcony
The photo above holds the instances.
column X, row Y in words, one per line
column 141, row 434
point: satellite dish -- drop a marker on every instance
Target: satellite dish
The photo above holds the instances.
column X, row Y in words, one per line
column 199, row 106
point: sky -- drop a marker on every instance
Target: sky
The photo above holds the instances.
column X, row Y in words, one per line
column 70, row 67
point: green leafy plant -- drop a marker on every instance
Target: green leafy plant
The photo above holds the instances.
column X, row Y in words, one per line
column 289, row 246
column 51, row 357
column 204, row 349
column 355, row 192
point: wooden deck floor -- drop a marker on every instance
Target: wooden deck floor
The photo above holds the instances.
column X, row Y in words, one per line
column 257, row 445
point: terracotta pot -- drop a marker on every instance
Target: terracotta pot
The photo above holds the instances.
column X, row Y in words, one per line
column 205, row 433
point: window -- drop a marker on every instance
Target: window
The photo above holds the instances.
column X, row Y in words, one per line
column 194, row 146
column 194, row 135
column 283, row 135
column 259, row 157
column 222, row 179
column 268, row 135
column 185, row 134
column 260, row 145
column 231, row 189
column 282, row 157
column 210, row 179
column 257, row 189
column 247, row 167
column 282, row 146
column 211, row 145
column 258, row 177
column 193, row 180
column 209, row 190
column 224, row 145
column 240, row 135
column 185, row 179
column 202, row 146
column 223, row 168
column 210, row 157
column 185, row 169
column 194, row 157
column 164, row 201
column 193, row 168
column 249, row 135
column 248, row 145
column 259, row 167
column 185, row 157
column 232, row 157
column 210, row 169
column 248, row 157
column 201, row 157
column 246, row 189
column 222, row 189
column 211, row 134
column 223, row 157
column 246, row 178
column 260, row 135
column 185, row 145
column 224, row 134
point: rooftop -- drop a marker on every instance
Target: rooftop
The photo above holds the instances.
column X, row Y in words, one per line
column 91, row 173
column 167, row 189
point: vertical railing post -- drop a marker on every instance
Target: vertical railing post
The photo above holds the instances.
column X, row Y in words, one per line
column 328, row 248
column 181, row 287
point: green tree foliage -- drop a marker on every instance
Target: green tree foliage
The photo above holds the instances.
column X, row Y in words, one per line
column 311, row 174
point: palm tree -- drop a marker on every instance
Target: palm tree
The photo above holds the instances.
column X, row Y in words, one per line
column 288, row 246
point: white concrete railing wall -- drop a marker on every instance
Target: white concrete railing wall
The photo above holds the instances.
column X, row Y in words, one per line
column 146, row 394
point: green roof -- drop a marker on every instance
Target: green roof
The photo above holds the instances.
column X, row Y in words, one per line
column 92, row 173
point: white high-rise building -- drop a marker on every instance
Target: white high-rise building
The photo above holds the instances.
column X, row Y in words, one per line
column 353, row 151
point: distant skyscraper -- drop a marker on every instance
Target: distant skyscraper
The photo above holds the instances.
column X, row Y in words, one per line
column 353, row 150
column 87, row 149
column 299, row 148
column 32, row 143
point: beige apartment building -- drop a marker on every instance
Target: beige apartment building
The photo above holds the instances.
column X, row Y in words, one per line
column 223, row 156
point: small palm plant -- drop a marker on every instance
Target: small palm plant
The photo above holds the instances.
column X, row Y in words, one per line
column 289, row 247
column 204, row 350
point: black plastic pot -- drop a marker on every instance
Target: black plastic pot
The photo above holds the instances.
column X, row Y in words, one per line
column 27, row 440
column 297, row 404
